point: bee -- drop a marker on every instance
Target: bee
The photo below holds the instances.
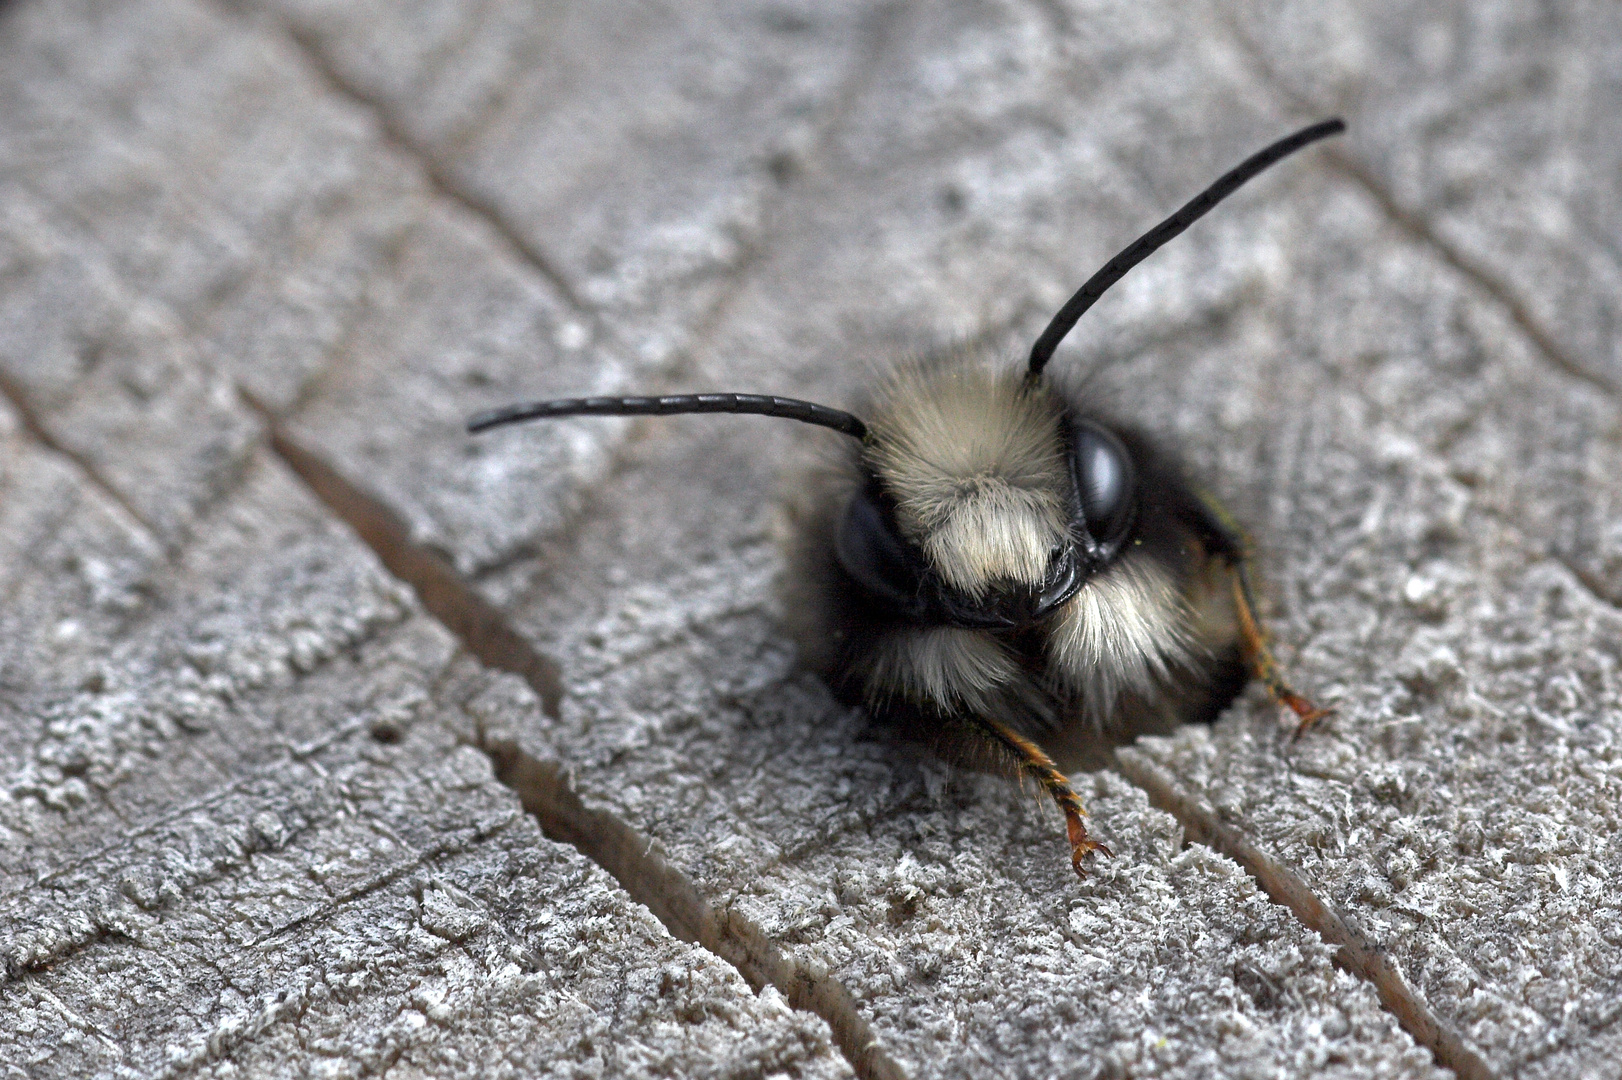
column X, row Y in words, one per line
column 993, row 563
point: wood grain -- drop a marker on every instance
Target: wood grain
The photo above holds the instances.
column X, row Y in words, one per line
column 281, row 796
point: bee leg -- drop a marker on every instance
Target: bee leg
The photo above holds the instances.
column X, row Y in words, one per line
column 1225, row 538
column 1253, row 644
column 1030, row 760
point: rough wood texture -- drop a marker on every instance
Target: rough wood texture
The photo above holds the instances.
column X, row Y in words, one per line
column 263, row 811
column 242, row 837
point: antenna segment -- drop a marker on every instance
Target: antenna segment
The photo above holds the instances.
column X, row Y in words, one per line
column 1145, row 245
column 807, row 412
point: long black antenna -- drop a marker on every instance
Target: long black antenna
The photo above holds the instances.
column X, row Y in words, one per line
column 1145, row 245
column 806, row 412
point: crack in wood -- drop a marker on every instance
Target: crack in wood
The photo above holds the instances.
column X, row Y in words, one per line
column 14, row 395
column 457, row 841
column 1589, row 581
column 441, row 179
column 472, row 619
column 1355, row 951
column 1414, row 223
column 1419, row 229
column 881, row 28
column 542, row 786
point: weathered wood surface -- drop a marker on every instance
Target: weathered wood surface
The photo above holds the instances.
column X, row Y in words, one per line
column 241, row 835
column 254, row 818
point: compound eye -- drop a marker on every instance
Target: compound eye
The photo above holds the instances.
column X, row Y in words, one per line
column 1106, row 483
column 872, row 552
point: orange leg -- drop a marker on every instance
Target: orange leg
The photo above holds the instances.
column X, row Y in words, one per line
column 1224, row 536
column 1032, row 760
column 1259, row 657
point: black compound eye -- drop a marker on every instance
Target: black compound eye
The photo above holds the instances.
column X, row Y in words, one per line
column 1106, row 483
column 872, row 552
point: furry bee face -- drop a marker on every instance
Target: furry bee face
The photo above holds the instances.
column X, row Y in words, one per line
column 995, row 565
column 986, row 499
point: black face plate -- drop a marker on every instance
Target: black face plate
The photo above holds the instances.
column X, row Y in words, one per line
column 895, row 574
column 871, row 549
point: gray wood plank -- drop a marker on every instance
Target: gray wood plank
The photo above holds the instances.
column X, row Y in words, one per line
column 1390, row 358
column 1492, row 128
column 73, row 567
column 634, row 151
column 1489, row 134
column 248, row 842
column 662, row 743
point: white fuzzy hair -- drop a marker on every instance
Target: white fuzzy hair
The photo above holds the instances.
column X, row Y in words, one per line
column 973, row 458
column 1124, row 631
column 947, row 667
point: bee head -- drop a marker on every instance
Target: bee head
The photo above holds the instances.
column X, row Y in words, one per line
column 986, row 503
